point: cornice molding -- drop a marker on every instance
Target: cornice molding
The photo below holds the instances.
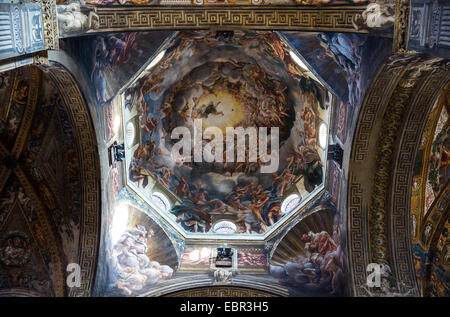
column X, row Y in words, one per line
column 305, row 18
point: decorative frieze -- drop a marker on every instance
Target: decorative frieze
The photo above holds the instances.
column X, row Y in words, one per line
column 76, row 21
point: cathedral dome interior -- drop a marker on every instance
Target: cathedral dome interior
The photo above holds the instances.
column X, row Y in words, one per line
column 218, row 148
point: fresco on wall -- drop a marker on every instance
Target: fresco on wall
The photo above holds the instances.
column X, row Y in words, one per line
column 139, row 255
column 338, row 59
column 439, row 164
column 419, row 183
column 430, row 180
column 249, row 80
column 7, row 80
column 251, row 259
column 115, row 182
column 51, row 157
column 341, row 122
column 14, row 98
column 109, row 61
column 24, row 264
column 431, row 166
column 421, row 260
column 196, row 257
column 319, row 271
column 112, row 119
column 440, row 274
column 311, row 259
column 433, row 269
column 47, row 156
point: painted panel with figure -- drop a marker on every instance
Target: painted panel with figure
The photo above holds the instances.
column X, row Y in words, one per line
column 138, row 253
column 109, row 61
column 311, row 258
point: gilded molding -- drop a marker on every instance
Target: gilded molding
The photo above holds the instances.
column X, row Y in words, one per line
column 401, row 26
column 221, row 291
column 402, row 99
column 50, row 24
column 380, row 174
column 399, row 204
column 329, row 18
column 45, row 229
column 391, row 122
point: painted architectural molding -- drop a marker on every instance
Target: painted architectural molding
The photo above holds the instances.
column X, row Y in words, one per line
column 383, row 227
column 90, row 176
column 399, row 208
column 228, row 2
column 189, row 283
column 50, row 24
column 21, row 29
column 78, row 20
column 29, row 199
column 401, row 26
column 221, row 291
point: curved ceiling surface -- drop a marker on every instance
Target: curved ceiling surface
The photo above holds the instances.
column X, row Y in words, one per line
column 226, row 132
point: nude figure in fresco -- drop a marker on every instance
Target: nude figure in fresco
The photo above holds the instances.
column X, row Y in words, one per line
column 182, row 189
column 320, row 270
column 274, row 214
column 285, row 179
column 188, row 222
column 236, row 196
column 256, row 208
column 134, row 268
column 149, row 124
column 143, row 165
column 193, row 213
column 321, row 243
column 248, row 221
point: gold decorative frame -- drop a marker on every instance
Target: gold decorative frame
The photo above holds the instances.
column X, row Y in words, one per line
column 304, row 18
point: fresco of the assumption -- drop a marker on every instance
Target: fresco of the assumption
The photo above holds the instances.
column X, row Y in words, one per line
column 205, row 86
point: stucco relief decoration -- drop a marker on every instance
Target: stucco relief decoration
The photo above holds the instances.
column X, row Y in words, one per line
column 73, row 20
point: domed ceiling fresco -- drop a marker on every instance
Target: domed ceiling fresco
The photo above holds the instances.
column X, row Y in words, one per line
column 226, row 133
column 151, row 151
